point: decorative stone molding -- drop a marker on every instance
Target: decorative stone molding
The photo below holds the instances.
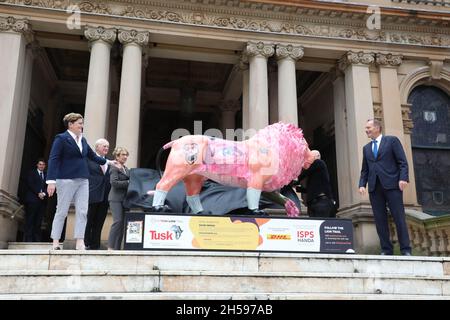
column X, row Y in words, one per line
column 406, row 117
column 133, row 36
column 11, row 24
column 293, row 52
column 100, row 33
column 378, row 112
column 388, row 59
column 10, row 207
column 260, row 48
column 355, row 58
column 287, row 18
column 436, row 67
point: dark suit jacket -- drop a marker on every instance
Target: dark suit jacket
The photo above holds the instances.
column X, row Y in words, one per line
column 35, row 185
column 390, row 166
column 119, row 184
column 99, row 185
column 318, row 181
column 67, row 162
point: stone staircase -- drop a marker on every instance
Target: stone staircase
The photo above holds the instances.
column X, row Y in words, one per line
column 69, row 274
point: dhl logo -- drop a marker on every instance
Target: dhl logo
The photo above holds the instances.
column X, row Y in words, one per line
column 279, row 237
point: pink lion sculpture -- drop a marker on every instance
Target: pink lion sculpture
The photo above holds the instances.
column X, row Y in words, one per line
column 266, row 162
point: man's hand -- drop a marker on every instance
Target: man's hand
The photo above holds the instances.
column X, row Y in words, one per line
column 362, row 191
column 41, row 195
column 402, row 184
column 51, row 188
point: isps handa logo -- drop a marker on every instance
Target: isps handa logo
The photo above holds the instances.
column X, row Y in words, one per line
column 305, row 235
column 174, row 234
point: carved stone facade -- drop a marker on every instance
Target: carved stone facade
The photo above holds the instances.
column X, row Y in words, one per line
column 277, row 19
column 260, row 48
column 107, row 35
column 388, row 59
column 284, row 51
column 406, row 117
column 11, row 24
column 355, row 58
column 133, row 36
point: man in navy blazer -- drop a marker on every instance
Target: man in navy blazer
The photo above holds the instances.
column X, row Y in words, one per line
column 385, row 170
column 35, row 202
column 99, row 187
column 68, row 173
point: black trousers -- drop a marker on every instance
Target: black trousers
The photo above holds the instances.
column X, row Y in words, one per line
column 380, row 198
column 95, row 219
column 322, row 207
column 34, row 212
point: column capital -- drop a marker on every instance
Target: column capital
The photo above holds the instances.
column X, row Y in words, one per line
column 260, row 48
column 11, row 24
column 100, row 33
column 229, row 105
column 133, row 36
column 351, row 57
column 388, row 59
column 284, row 51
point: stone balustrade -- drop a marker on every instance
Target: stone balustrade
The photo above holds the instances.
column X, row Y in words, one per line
column 429, row 234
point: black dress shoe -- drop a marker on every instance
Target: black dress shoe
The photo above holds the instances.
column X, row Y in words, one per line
column 163, row 208
column 258, row 212
column 407, row 253
column 385, row 253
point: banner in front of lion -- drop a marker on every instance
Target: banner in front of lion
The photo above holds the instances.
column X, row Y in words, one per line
column 237, row 233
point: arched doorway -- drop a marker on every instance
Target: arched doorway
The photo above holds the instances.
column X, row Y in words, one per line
column 430, row 138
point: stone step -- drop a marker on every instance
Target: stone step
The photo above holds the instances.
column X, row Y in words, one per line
column 29, row 245
column 70, row 281
column 142, row 261
column 215, row 296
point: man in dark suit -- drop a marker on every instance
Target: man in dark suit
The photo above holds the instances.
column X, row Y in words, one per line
column 68, row 172
column 319, row 198
column 385, row 170
column 35, row 202
column 99, row 187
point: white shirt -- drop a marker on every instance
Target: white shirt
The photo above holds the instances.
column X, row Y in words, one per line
column 74, row 136
column 104, row 166
column 378, row 139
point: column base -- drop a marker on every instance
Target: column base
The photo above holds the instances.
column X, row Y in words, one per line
column 365, row 236
column 12, row 214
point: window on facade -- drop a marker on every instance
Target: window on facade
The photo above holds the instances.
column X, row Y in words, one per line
column 430, row 140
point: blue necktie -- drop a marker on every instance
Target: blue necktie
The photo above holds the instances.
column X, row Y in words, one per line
column 375, row 148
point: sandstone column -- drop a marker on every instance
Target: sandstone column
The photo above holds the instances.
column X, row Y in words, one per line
column 392, row 111
column 358, row 95
column 359, row 108
column 96, row 112
column 16, row 62
column 258, row 53
column 287, row 55
column 130, row 92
